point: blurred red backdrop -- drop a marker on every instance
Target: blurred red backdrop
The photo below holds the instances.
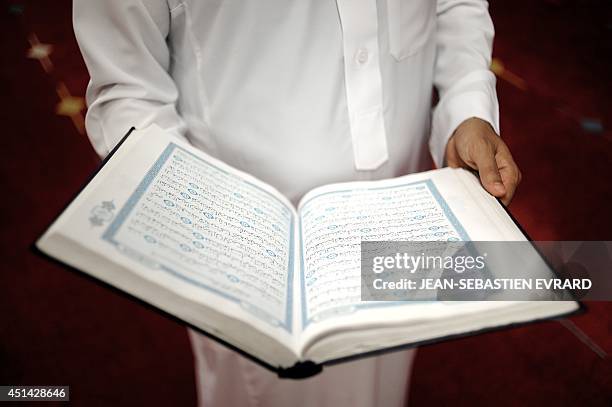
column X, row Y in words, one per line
column 553, row 60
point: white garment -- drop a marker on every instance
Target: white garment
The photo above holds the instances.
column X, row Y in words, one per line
column 297, row 92
column 226, row 379
column 269, row 85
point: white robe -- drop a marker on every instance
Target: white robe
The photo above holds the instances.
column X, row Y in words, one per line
column 299, row 93
column 225, row 378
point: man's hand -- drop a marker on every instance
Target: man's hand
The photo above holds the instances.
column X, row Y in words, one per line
column 474, row 145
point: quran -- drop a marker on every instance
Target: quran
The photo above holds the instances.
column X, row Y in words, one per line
column 229, row 255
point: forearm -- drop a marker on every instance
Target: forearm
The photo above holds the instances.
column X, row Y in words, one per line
column 462, row 77
column 123, row 45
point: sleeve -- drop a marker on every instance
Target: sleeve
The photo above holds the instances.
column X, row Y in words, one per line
column 123, row 43
column 462, row 77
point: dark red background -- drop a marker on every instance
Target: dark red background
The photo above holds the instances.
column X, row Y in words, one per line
column 58, row 327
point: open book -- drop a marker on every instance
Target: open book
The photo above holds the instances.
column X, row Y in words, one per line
column 230, row 255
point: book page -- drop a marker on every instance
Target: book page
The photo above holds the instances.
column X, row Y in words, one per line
column 335, row 220
column 191, row 224
column 440, row 205
column 212, row 229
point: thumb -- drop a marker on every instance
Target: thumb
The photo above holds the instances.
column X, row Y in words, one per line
column 488, row 171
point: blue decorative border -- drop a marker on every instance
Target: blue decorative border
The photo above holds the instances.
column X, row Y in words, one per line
column 114, row 227
column 434, row 192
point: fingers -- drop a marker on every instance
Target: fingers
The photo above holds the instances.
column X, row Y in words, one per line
column 451, row 155
column 475, row 145
column 484, row 158
column 510, row 173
